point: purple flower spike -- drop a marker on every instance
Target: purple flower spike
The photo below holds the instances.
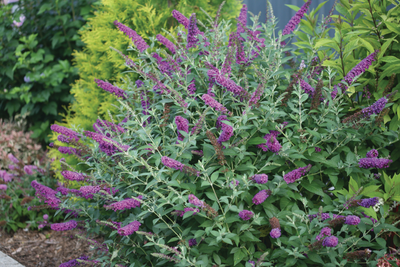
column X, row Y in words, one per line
column 272, row 143
column 126, row 204
column 330, row 241
column 369, row 202
column 192, row 40
column 180, row 18
column 46, row 194
column 111, row 88
column 13, row 158
column 73, row 176
column 65, row 131
column 352, row 220
column 182, row 124
column 295, row 20
column 294, row 175
column 326, row 231
column 227, row 132
column 171, row 163
column 3, row 187
column 375, row 108
column 360, row 68
column 275, row 233
column 192, row 242
column 259, row 178
column 261, row 196
column 373, row 153
column 208, row 100
column 29, row 169
column 140, row 44
column 129, row 229
column 307, row 88
column 65, row 226
column 87, row 191
column 195, row 201
column 368, row 163
column 221, row 118
column 246, row 215
column 74, row 262
column 242, row 20
column 168, row 44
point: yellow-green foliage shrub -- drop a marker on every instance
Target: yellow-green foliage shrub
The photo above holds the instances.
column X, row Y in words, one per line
column 98, row 61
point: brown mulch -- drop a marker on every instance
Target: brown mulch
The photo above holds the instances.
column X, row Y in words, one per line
column 44, row 248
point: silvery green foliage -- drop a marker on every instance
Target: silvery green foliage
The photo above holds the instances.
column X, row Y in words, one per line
column 192, row 184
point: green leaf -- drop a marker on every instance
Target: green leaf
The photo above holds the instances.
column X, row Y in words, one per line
column 256, row 141
column 238, row 256
column 312, row 255
column 211, row 196
column 393, row 27
column 313, row 187
column 44, row 7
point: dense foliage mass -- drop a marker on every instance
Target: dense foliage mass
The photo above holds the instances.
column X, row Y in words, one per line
column 37, row 39
column 237, row 154
column 360, row 28
column 98, row 61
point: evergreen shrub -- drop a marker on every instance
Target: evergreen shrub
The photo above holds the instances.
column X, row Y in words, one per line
column 231, row 157
column 36, row 42
column 98, row 61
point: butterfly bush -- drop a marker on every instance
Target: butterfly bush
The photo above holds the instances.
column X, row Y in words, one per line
column 268, row 175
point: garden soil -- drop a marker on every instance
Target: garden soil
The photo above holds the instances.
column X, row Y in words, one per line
column 44, row 248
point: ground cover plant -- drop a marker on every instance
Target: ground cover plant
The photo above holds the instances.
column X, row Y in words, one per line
column 22, row 160
column 98, row 61
column 36, row 43
column 231, row 157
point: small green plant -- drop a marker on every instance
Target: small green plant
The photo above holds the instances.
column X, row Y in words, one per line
column 22, row 160
column 230, row 157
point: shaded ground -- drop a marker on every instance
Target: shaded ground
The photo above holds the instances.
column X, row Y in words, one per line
column 45, row 248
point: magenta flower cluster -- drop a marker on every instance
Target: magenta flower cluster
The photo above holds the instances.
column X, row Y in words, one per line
column 369, row 202
column 111, row 88
column 129, row 229
column 181, row 18
column 192, row 39
column 375, row 108
column 195, row 201
column 330, row 241
column 87, row 191
column 275, row 233
column 65, row 131
column 73, row 263
column 167, row 43
column 272, row 143
column 307, row 88
column 227, row 132
column 326, row 231
column 373, row 153
column 126, row 204
column 259, row 178
column 192, row 242
column 261, row 196
column 171, row 163
column 367, row 163
column 47, row 194
column 360, row 68
column 225, row 82
column 294, row 175
column 246, row 215
column 213, row 103
column 140, row 44
column 295, row 20
column 73, row 176
column 110, row 147
column 65, row 226
column 352, row 220
column 182, row 124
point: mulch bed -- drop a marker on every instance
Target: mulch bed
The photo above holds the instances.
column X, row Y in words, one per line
column 44, row 248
